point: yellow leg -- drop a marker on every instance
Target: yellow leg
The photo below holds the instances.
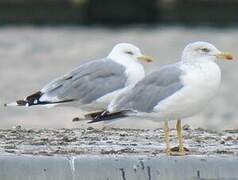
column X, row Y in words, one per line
column 180, row 136
column 166, row 137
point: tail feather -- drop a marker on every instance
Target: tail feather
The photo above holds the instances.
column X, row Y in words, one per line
column 33, row 100
column 106, row 116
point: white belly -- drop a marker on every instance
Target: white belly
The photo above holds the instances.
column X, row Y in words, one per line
column 201, row 85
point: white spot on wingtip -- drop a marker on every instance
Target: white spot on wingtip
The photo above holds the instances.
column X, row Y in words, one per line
column 35, row 102
column 11, row 104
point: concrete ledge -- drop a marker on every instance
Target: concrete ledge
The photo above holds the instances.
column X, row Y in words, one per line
column 115, row 154
column 113, row 141
column 15, row 167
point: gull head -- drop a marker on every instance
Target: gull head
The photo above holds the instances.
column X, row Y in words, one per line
column 123, row 52
column 203, row 51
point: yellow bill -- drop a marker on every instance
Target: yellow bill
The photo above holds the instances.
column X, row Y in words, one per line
column 145, row 58
column 225, row 56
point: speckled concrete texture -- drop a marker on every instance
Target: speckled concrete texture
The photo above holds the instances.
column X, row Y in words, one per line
column 114, row 141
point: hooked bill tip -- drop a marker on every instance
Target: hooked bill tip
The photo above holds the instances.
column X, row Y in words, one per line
column 229, row 57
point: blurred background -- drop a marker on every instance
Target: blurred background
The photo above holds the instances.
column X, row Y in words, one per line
column 41, row 40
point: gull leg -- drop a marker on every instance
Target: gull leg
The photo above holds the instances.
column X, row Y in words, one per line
column 166, row 137
column 180, row 136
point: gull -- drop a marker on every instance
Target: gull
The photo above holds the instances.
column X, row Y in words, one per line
column 92, row 85
column 173, row 92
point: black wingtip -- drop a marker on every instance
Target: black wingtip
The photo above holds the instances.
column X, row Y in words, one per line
column 5, row 105
column 93, row 115
column 21, row 103
column 107, row 116
column 33, row 99
column 100, row 116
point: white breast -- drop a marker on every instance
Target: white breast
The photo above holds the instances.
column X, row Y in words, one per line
column 201, row 83
column 135, row 72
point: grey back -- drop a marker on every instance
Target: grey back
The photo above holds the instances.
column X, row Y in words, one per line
column 154, row 88
column 88, row 82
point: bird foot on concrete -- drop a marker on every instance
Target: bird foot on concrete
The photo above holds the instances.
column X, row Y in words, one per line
column 176, row 152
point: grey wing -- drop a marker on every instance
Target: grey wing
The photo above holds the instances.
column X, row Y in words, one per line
column 88, row 82
column 152, row 89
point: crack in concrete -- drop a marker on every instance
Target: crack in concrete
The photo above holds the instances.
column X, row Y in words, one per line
column 123, row 174
column 142, row 165
column 198, row 174
column 149, row 173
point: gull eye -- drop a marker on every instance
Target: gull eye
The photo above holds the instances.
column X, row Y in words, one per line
column 129, row 52
column 206, row 50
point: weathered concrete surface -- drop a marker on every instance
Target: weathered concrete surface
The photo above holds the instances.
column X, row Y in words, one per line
column 118, row 168
column 115, row 154
column 91, row 141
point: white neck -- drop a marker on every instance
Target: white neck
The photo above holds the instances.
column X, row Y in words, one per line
column 134, row 70
column 122, row 59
